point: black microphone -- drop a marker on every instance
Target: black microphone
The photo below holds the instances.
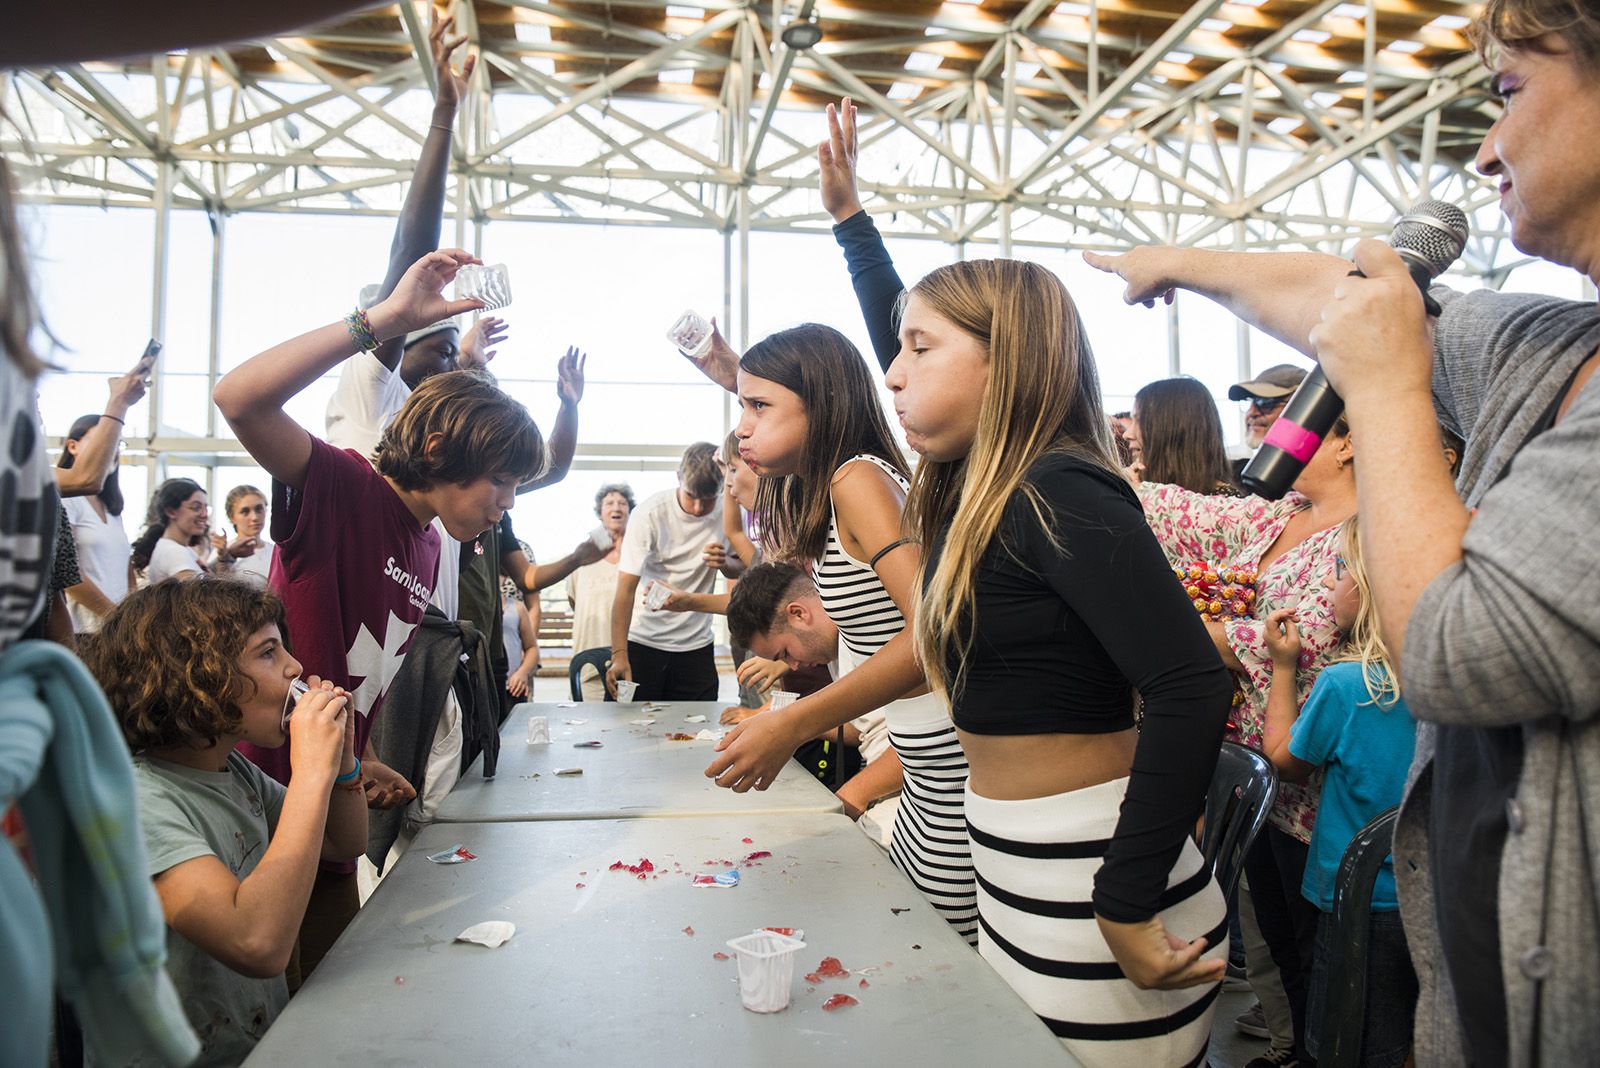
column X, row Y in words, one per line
column 1428, row 238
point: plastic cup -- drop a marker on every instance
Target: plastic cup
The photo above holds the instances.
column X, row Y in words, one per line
column 538, row 730
column 297, row 690
column 657, row 596
column 626, row 688
column 490, row 284
column 602, row 539
column 783, row 699
column 691, row 333
column 766, row 969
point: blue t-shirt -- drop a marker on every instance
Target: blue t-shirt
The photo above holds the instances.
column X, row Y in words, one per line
column 1367, row 749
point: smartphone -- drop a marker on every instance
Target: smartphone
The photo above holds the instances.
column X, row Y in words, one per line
column 151, row 350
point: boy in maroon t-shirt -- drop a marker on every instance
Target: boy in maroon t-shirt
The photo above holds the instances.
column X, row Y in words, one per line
column 356, row 557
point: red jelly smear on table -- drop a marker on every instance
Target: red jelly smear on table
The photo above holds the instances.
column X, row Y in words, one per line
column 638, row 869
column 864, row 984
column 689, row 931
column 746, row 841
column 830, row 968
column 760, row 854
column 839, row 1001
column 719, row 956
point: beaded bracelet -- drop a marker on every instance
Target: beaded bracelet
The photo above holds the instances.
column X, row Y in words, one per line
column 360, row 328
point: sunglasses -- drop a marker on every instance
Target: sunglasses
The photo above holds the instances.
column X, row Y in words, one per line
column 1266, row 404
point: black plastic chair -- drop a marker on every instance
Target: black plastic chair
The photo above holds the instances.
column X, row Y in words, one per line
column 1345, row 1013
column 598, row 658
column 1242, row 789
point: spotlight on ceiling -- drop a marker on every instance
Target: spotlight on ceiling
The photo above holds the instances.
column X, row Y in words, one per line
column 802, row 35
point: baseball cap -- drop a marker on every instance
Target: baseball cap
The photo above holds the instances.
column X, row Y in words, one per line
column 1279, row 380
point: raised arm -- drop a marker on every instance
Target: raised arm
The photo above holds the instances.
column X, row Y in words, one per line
column 563, row 440
column 97, row 449
column 872, row 272
column 1280, row 293
column 251, row 397
column 416, row 233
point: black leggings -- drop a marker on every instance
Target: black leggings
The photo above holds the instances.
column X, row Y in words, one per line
column 664, row 676
column 1275, row 865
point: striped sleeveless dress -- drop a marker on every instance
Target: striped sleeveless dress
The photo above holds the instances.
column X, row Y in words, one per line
column 929, row 842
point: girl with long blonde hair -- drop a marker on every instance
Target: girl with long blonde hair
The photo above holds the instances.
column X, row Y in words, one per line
column 1045, row 603
column 1355, row 726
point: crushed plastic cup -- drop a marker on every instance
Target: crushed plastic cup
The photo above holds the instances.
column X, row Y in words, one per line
column 766, row 969
column 491, row 284
column 626, row 688
column 538, row 730
column 657, row 596
column 297, row 689
column 783, row 699
column 602, row 539
column 691, row 333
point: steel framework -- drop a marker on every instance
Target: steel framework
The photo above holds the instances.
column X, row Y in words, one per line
column 1005, row 123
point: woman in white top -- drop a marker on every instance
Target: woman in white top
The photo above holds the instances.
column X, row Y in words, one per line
column 176, row 533
column 103, row 549
column 591, row 589
column 250, row 553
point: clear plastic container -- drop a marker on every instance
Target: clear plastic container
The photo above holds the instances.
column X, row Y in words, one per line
column 657, row 596
column 491, row 284
column 783, row 699
column 626, row 688
column 538, row 730
column 297, row 690
column 766, row 969
column 602, row 539
column 692, row 334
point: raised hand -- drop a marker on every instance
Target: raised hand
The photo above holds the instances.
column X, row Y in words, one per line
column 1147, row 269
column 452, row 86
column 129, row 389
column 569, row 377
column 836, row 162
column 476, row 344
column 720, row 363
column 418, row 300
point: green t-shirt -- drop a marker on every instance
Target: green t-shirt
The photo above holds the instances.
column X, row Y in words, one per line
column 187, row 813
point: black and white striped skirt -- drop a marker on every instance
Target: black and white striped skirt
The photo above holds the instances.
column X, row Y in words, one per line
column 1036, row 860
column 929, row 842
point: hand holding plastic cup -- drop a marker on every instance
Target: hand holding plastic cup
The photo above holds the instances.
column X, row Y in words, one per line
column 766, row 969
column 657, row 596
column 783, row 698
column 626, row 688
column 692, row 334
column 602, row 539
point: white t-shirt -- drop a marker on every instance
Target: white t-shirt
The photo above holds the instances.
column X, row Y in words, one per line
column 665, row 543
column 169, row 558
column 253, row 568
column 367, row 397
column 103, row 552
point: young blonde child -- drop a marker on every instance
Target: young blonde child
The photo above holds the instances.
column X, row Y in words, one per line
column 191, row 670
column 1356, row 726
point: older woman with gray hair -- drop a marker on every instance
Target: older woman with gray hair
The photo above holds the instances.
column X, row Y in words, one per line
column 592, row 589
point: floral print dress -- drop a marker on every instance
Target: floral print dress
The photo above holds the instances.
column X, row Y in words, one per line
column 1234, row 533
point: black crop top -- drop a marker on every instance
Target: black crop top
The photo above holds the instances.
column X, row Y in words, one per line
column 1064, row 636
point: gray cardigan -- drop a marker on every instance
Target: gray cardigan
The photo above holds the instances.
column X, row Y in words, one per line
column 1511, row 636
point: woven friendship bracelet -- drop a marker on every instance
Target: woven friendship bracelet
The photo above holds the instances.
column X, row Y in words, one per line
column 360, row 328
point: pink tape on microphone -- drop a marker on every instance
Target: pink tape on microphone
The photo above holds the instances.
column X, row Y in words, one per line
column 1295, row 440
